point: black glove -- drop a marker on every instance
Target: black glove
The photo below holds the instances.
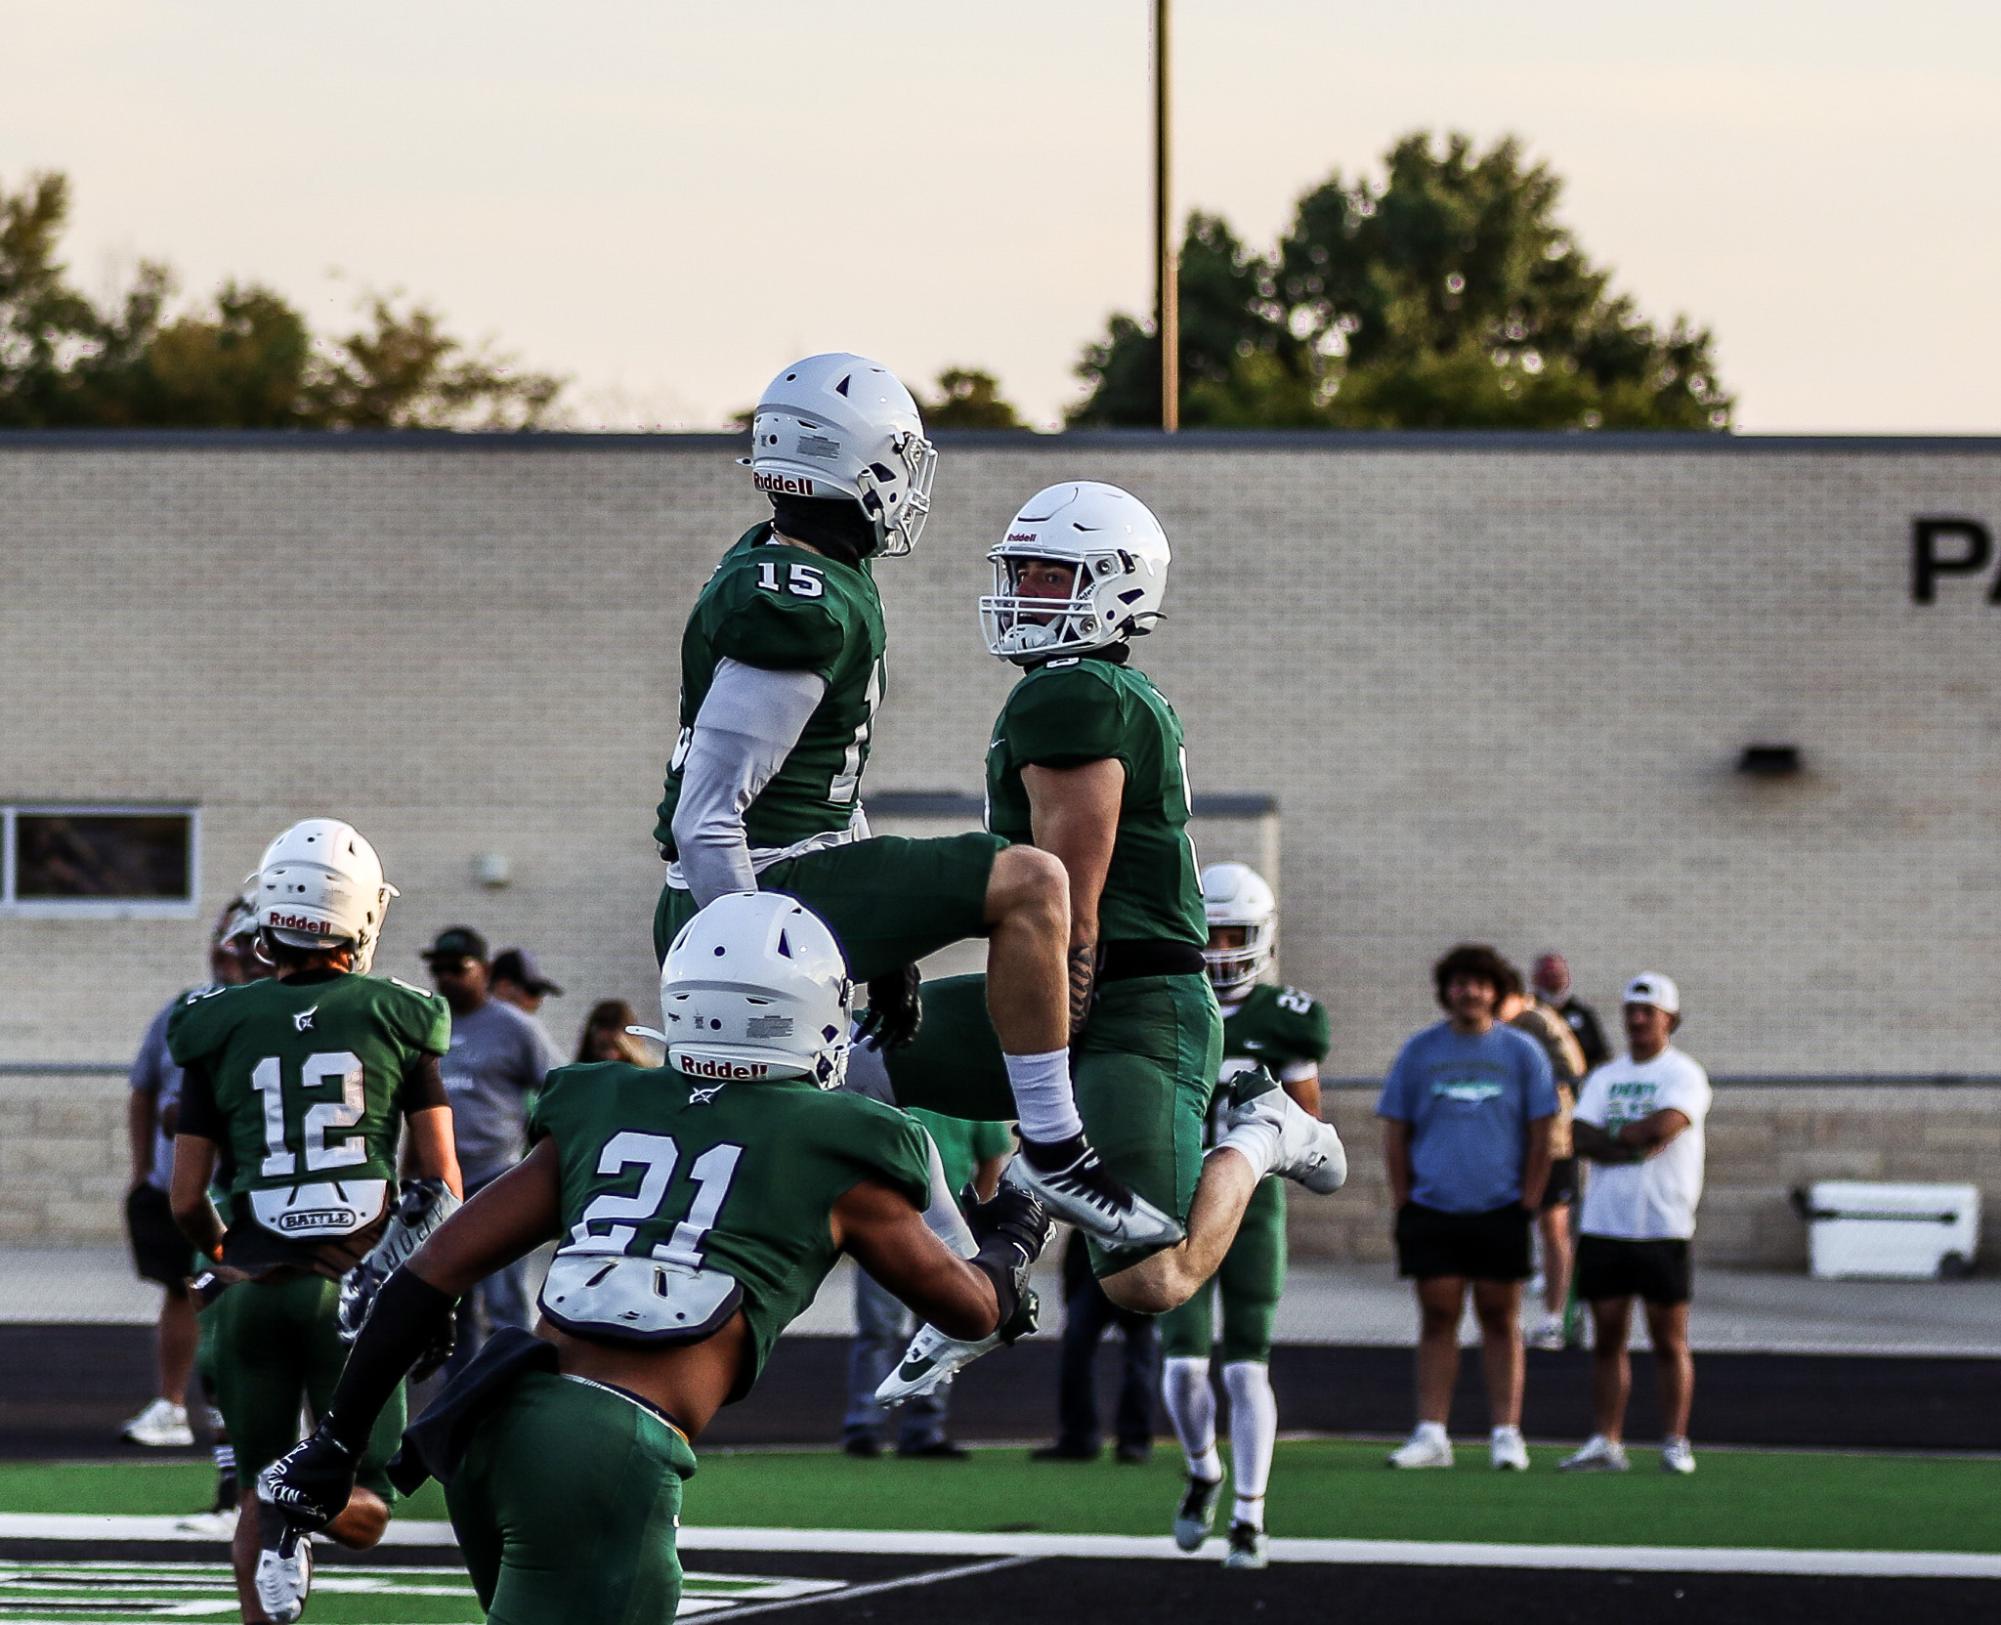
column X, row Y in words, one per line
column 1011, row 1230
column 895, row 1011
column 310, row 1484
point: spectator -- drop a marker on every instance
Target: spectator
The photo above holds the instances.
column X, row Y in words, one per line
column 496, row 1063
column 515, row 978
column 972, row 1153
column 1466, row 1115
column 1551, row 977
column 1640, row 1119
column 1525, row 1013
column 1087, row 1315
column 605, row 1037
column 160, row 1253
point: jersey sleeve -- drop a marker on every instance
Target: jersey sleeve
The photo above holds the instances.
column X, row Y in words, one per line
column 1064, row 715
column 880, row 1143
column 991, row 1140
column 552, row 1105
column 199, row 1114
column 780, row 631
column 197, row 1026
column 1688, row 1093
column 1395, row 1100
column 1304, row 1035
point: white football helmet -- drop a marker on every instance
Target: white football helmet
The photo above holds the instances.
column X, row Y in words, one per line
column 320, row 884
column 754, row 987
column 842, row 426
column 1121, row 555
column 1235, row 894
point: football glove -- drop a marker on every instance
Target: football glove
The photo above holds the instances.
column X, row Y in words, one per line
column 895, row 1011
column 422, row 1205
column 310, row 1484
column 1011, row 1229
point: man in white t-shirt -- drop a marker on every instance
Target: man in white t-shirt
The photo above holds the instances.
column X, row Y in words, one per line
column 1639, row 1122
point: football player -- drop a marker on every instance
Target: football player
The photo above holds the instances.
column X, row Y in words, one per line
column 781, row 674
column 1284, row 1031
column 302, row 1083
column 1086, row 763
column 700, row 1206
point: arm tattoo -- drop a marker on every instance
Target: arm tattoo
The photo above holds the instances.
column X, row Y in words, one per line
column 1083, row 983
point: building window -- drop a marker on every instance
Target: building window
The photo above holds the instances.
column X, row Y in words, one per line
column 98, row 860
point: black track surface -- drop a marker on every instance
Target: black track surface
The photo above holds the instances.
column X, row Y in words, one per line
column 67, row 1388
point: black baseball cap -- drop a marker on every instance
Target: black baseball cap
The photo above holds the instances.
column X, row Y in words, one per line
column 519, row 966
column 457, row 942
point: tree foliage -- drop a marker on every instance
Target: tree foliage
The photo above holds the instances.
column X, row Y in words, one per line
column 1447, row 295
column 968, row 399
column 243, row 359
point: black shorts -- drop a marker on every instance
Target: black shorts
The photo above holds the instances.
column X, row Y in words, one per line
column 159, row 1251
column 1561, row 1190
column 1490, row 1246
column 1612, row 1267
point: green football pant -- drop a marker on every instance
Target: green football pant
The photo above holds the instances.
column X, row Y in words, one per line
column 889, row 900
column 566, row 1507
column 1143, row 1071
column 1249, row 1283
column 276, row 1344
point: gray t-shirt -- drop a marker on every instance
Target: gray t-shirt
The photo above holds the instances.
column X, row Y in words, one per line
column 1469, row 1102
column 154, row 1073
column 499, row 1056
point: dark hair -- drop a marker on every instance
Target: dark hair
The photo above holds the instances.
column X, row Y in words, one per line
column 289, row 956
column 1478, row 962
column 614, row 1016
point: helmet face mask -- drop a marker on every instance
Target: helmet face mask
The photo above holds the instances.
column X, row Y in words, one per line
column 840, row 425
column 320, row 885
column 1119, row 557
column 1236, row 897
column 754, row 988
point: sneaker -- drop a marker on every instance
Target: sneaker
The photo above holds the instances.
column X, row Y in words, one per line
column 284, row 1576
column 1248, row 1547
column 1547, row 1335
column 1424, row 1448
column 1197, row 1512
column 1507, row 1452
column 161, row 1423
column 1599, row 1455
column 933, row 1357
column 218, row 1524
column 1309, row 1151
column 1073, row 1183
column 1676, row 1456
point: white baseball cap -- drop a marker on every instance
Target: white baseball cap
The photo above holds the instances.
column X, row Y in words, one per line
column 1650, row 987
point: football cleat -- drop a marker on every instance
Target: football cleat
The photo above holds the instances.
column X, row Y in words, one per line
column 285, row 1575
column 160, row 1424
column 1197, row 1512
column 1071, row 1180
column 1676, row 1456
column 1506, row 1452
column 1424, row 1448
column 932, row 1356
column 1599, row 1455
column 1249, row 1547
column 1309, row 1151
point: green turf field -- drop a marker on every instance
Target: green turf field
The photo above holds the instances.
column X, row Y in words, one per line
column 1319, row 1488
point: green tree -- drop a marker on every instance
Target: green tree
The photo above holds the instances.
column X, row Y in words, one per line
column 968, row 399
column 1449, row 295
column 244, row 359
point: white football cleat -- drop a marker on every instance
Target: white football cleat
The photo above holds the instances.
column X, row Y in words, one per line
column 1599, row 1455
column 1197, row 1512
column 1249, row 1547
column 1506, row 1451
column 283, row 1579
column 1070, row 1179
column 162, row 1423
column 1427, row 1447
column 1676, row 1456
column 932, row 1356
column 1309, row 1151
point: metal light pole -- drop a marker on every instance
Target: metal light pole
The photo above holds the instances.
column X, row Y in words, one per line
column 1167, row 289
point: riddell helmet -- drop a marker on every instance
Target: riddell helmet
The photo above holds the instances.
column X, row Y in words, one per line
column 1121, row 555
column 320, row 885
column 755, row 988
column 842, row 426
column 1235, row 894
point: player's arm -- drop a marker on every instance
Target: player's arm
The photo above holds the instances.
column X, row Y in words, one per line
column 140, row 1116
column 883, row 1231
column 1301, row 1080
column 430, row 1151
column 1074, row 815
column 187, row 1194
column 1536, row 1160
column 750, row 721
column 1594, row 1144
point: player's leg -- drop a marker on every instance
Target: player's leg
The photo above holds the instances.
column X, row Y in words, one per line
column 567, row 1502
column 1611, row 1366
column 1249, row 1284
column 1553, row 1230
column 1667, row 1298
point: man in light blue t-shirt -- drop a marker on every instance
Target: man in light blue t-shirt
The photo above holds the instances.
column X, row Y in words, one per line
column 1466, row 1112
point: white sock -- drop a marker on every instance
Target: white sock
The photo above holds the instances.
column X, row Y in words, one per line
column 1430, row 1430
column 1257, row 1143
column 1253, row 1428
column 1505, row 1435
column 943, row 1218
column 1191, row 1408
column 1248, row 1509
column 1043, row 1098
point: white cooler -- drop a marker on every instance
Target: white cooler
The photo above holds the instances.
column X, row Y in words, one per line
column 1857, row 1228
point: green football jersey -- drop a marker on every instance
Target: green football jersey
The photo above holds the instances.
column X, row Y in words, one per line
column 785, row 609
column 1070, row 712
column 1275, row 1027
column 304, row 1084
column 736, row 1177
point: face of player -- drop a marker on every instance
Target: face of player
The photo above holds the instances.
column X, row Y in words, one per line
column 1647, row 1030
column 1470, row 1000
column 462, row 982
column 1050, row 579
column 1228, row 938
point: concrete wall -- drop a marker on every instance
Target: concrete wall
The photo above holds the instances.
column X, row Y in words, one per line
column 1496, row 684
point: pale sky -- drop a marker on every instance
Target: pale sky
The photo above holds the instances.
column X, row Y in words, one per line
column 668, row 202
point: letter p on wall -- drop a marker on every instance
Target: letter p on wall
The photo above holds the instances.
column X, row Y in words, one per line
column 1943, row 545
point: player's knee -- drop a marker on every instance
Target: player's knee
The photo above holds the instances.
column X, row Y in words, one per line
column 1031, row 887
column 1146, row 1289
